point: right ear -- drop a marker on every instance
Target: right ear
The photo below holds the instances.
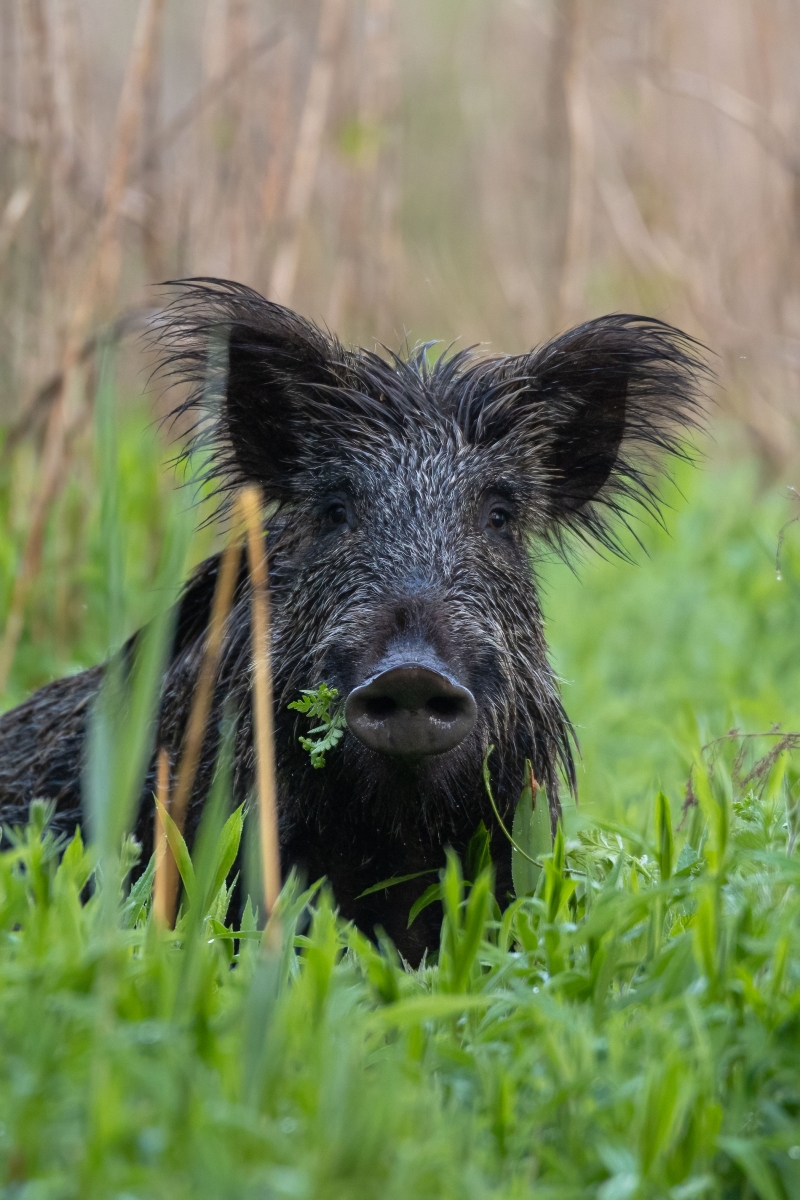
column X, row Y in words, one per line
column 253, row 367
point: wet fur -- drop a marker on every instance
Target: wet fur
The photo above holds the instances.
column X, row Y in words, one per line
column 564, row 438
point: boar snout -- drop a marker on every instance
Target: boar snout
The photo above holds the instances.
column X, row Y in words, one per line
column 410, row 709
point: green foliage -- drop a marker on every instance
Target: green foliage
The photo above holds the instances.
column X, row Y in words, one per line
column 316, row 705
column 624, row 1031
column 532, row 833
column 628, row 1027
column 94, row 590
column 694, row 637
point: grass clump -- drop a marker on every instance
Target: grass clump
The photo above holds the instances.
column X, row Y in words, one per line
column 630, row 1029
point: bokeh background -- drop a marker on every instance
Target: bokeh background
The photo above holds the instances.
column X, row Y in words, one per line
column 479, row 171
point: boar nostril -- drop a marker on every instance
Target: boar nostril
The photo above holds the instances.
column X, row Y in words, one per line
column 410, row 710
column 379, row 707
column 445, row 706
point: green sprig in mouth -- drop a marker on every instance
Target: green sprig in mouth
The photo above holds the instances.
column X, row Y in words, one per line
column 319, row 704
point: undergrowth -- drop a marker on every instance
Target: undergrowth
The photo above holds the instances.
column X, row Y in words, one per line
column 631, row 1029
column 627, row 1026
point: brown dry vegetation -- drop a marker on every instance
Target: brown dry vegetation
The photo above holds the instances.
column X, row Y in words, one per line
column 489, row 170
column 481, row 170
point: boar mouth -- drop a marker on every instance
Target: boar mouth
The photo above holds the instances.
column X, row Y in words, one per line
column 411, row 710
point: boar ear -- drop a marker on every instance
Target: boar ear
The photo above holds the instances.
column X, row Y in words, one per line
column 593, row 411
column 252, row 368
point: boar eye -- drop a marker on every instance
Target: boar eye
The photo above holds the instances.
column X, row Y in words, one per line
column 336, row 513
column 498, row 518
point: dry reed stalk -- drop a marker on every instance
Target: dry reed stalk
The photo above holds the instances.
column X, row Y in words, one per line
column 204, row 691
column 212, row 204
column 67, row 51
column 151, row 174
column 77, row 67
column 303, row 173
column 97, row 288
column 163, row 854
column 39, row 403
column 240, row 110
column 8, row 58
column 144, row 53
column 214, row 89
column 43, row 109
column 279, row 117
column 13, row 213
column 250, row 500
column 378, row 104
column 581, row 168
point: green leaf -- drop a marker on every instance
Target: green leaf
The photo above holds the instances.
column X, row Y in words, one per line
column 687, row 859
column 180, row 851
column 473, row 929
column 316, row 704
column 487, row 783
column 747, row 1155
column 395, row 879
column 479, row 852
column 140, row 893
column 532, row 833
column 713, row 794
column 76, row 864
column 443, row 1006
column 666, row 845
column 705, row 932
column 557, row 888
column 228, row 848
column 429, row 896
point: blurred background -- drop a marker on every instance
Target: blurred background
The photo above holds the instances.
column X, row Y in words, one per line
column 490, row 171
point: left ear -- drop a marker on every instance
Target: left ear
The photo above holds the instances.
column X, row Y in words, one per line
column 589, row 410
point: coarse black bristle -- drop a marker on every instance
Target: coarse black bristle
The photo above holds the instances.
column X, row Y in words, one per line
column 593, row 412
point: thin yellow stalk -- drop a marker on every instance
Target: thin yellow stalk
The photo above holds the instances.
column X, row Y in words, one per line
column 204, row 693
column 161, row 886
column 201, row 707
column 250, row 500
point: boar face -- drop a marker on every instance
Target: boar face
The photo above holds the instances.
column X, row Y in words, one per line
column 404, row 497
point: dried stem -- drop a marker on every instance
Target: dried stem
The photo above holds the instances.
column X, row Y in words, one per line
column 216, row 87
column 163, row 854
column 145, row 50
column 38, row 405
column 306, row 157
column 581, row 168
column 250, row 500
column 204, row 694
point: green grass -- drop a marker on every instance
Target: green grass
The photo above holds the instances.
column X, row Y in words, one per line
column 68, row 624
column 697, row 636
column 631, row 1030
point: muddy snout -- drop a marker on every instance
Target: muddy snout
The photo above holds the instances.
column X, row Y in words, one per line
column 410, row 710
